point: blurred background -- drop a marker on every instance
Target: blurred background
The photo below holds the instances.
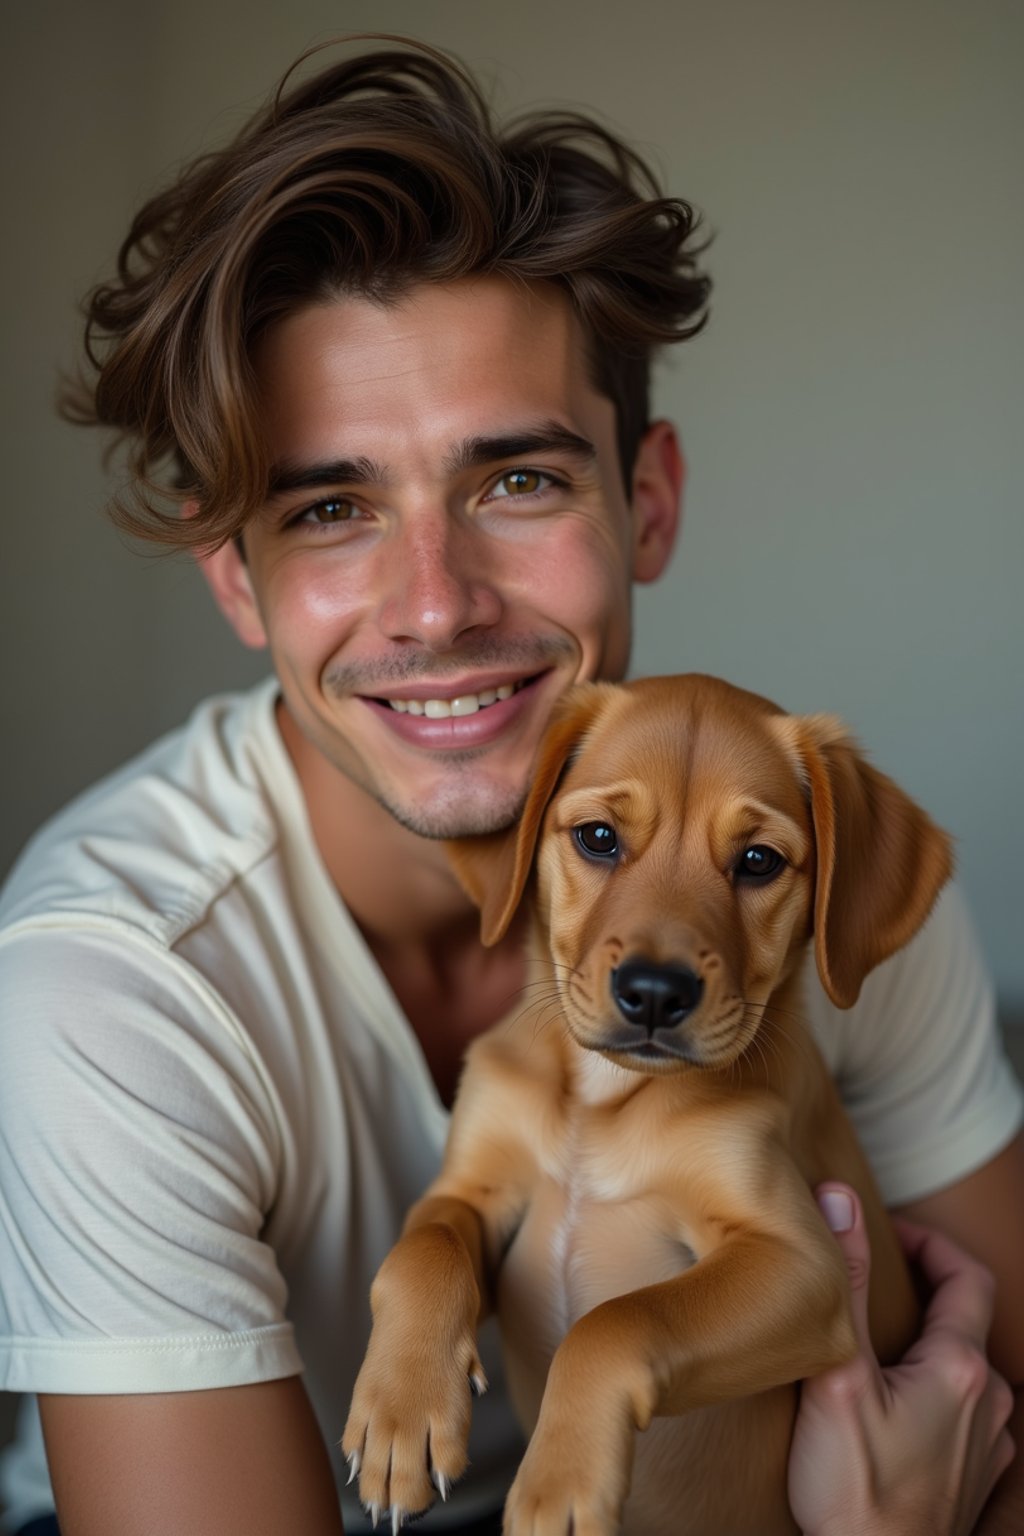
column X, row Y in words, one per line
column 853, row 414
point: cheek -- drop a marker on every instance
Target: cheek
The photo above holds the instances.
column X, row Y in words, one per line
column 774, row 926
column 309, row 603
column 573, row 901
column 580, row 576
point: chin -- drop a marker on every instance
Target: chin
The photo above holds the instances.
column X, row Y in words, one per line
column 460, row 815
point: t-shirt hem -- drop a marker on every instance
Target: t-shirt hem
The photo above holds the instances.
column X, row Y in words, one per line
column 174, row 1363
column 945, row 1162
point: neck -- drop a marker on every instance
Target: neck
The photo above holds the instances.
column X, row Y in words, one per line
column 419, row 924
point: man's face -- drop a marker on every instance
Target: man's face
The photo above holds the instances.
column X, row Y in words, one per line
column 448, row 543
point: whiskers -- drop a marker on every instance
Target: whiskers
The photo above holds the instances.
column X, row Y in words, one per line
column 544, row 996
column 786, row 1027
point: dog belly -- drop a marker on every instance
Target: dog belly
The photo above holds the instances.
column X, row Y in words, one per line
column 569, row 1255
column 717, row 1471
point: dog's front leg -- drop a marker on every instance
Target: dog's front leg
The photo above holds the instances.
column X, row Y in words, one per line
column 407, row 1429
column 575, row 1476
column 408, row 1425
column 757, row 1312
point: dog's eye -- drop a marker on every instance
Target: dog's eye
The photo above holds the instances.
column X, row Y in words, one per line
column 597, row 839
column 759, row 862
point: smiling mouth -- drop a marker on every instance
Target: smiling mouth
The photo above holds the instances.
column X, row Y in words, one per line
column 460, row 706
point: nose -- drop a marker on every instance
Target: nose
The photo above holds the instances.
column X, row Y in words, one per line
column 436, row 583
column 655, row 996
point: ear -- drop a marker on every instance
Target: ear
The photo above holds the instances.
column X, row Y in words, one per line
column 881, row 861
column 493, row 869
column 227, row 577
column 659, row 474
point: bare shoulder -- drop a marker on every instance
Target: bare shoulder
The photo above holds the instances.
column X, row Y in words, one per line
column 226, row 1462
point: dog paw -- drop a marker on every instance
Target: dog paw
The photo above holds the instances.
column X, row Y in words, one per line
column 575, row 1476
column 532, row 1512
column 551, row 1497
column 407, row 1430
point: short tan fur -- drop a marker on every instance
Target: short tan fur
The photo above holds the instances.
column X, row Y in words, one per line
column 635, row 1200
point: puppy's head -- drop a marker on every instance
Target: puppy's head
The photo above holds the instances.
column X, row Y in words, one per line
column 681, row 842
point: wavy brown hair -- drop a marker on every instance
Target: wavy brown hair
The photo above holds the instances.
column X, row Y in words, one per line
column 379, row 172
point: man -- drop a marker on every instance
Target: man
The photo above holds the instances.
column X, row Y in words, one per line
column 396, row 367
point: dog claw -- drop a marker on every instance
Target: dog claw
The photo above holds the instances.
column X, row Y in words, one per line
column 354, row 1460
column 478, row 1384
column 397, row 1521
column 442, row 1485
column 373, row 1510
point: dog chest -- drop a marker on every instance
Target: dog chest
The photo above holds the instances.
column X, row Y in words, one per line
column 593, row 1230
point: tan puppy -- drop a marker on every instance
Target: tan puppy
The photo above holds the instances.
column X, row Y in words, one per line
column 628, row 1177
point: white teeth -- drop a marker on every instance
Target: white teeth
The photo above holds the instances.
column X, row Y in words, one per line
column 465, row 704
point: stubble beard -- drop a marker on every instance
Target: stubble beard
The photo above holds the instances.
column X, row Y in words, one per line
column 455, row 813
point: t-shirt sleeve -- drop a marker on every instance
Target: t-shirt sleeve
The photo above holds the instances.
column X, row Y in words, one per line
column 138, row 1157
column 920, row 1063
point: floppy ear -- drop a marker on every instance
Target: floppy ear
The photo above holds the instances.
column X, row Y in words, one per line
column 881, row 861
column 493, row 869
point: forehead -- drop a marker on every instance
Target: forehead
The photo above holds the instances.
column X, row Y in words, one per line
column 693, row 744
column 441, row 362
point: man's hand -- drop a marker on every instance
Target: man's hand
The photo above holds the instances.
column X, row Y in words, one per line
column 917, row 1447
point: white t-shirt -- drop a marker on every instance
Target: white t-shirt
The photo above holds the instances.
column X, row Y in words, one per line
column 213, row 1113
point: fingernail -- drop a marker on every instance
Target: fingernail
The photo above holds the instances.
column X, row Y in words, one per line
column 837, row 1209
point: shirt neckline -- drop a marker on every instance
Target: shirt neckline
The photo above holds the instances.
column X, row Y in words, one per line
column 324, row 913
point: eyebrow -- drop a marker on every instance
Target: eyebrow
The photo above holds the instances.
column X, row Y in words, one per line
column 549, row 437
column 473, row 453
column 288, row 476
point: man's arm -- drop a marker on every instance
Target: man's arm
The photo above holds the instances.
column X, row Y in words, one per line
column 235, row 1461
column 984, row 1213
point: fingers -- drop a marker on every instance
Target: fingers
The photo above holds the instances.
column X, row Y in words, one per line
column 845, row 1220
column 861, row 1378
column 963, row 1291
column 1003, row 1453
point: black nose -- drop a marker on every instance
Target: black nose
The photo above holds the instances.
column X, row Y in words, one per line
column 655, row 996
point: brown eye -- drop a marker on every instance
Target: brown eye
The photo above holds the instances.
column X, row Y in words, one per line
column 758, row 863
column 520, row 482
column 334, row 510
column 597, row 839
